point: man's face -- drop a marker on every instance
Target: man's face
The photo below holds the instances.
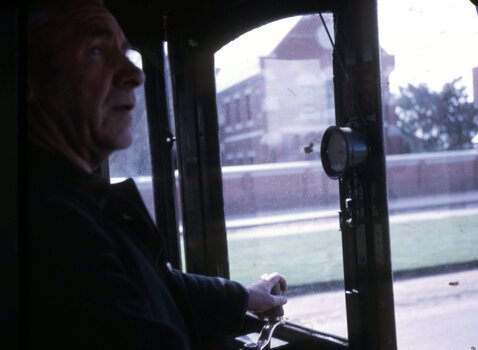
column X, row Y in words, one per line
column 90, row 96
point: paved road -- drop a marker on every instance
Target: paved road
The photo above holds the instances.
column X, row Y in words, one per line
column 430, row 312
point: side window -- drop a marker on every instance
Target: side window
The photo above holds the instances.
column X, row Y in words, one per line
column 272, row 87
column 174, row 154
column 430, row 100
column 135, row 161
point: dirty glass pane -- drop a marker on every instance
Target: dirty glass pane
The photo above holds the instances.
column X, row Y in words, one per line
column 274, row 100
column 430, row 79
column 135, row 161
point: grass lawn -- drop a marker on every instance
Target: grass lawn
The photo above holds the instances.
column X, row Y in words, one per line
column 317, row 257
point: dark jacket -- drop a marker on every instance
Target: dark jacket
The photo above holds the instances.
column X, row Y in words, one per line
column 97, row 277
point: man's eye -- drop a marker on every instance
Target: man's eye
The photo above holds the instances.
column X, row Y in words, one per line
column 96, row 51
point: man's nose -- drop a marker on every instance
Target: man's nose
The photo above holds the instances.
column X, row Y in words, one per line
column 129, row 76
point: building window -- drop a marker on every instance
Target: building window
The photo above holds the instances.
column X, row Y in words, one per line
column 237, row 110
column 309, row 98
column 248, row 107
column 329, row 94
column 227, row 111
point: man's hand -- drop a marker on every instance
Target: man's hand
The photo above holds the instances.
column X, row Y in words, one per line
column 260, row 297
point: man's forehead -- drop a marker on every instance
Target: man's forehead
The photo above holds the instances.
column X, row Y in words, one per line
column 94, row 20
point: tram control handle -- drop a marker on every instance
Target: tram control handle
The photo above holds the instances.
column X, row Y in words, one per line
column 274, row 317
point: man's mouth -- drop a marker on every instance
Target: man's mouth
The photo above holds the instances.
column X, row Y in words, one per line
column 124, row 110
column 128, row 107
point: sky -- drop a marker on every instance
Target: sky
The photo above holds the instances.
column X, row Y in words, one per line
column 433, row 41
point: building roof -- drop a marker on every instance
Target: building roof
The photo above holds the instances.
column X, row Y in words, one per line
column 308, row 39
column 293, row 38
column 240, row 59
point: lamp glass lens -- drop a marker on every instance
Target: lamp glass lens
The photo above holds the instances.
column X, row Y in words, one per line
column 337, row 152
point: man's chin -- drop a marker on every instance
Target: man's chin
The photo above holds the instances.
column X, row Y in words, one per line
column 124, row 142
column 117, row 143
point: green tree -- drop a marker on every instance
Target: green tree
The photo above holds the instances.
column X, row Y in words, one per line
column 435, row 121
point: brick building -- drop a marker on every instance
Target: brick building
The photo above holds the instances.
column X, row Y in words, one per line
column 270, row 111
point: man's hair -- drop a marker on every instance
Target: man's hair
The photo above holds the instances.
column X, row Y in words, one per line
column 43, row 19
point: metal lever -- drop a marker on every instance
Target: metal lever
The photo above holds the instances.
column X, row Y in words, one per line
column 274, row 318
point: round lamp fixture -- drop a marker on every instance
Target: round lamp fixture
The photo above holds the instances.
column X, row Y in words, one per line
column 342, row 149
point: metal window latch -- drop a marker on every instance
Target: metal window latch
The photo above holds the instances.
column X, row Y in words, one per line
column 170, row 139
column 348, row 216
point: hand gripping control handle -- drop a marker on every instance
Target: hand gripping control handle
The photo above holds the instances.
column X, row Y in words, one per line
column 277, row 311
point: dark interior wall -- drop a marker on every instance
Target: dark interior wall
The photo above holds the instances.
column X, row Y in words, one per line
column 9, row 178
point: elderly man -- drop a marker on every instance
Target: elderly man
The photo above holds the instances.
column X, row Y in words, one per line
column 97, row 276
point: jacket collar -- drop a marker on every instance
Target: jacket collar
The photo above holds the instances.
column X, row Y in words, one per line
column 55, row 171
column 45, row 166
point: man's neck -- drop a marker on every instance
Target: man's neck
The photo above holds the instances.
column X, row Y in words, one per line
column 66, row 151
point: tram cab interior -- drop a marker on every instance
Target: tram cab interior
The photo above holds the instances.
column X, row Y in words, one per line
column 290, row 160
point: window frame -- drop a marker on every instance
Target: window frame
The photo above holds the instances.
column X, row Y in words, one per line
column 160, row 137
column 193, row 38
